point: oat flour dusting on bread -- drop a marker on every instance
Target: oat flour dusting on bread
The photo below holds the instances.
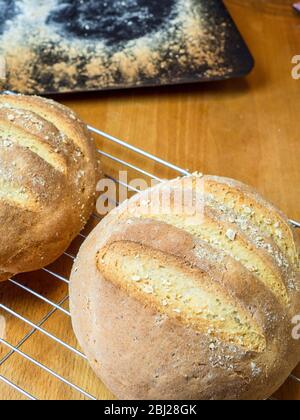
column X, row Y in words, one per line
column 177, row 305
column 47, row 181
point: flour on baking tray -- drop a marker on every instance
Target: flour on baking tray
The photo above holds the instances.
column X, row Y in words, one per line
column 43, row 52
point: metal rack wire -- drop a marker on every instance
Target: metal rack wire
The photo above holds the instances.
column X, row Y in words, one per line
column 38, row 327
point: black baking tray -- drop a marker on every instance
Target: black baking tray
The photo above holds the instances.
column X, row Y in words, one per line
column 70, row 46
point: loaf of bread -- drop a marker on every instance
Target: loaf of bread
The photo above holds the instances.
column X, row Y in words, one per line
column 192, row 304
column 47, row 181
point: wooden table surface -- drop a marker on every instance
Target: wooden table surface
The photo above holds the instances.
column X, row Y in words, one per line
column 246, row 129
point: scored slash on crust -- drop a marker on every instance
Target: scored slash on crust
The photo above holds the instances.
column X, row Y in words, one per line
column 47, row 166
column 186, row 292
column 18, row 196
column 22, row 138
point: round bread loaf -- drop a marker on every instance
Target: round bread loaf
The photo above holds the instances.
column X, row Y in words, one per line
column 190, row 303
column 47, row 181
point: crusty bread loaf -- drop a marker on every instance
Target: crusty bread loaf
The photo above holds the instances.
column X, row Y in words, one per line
column 47, row 181
column 183, row 305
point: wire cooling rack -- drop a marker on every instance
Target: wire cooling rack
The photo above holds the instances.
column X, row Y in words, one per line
column 40, row 334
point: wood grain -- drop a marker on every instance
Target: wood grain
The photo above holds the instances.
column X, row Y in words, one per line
column 246, row 129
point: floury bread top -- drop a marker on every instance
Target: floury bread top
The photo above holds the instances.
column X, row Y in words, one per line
column 47, row 181
column 217, row 289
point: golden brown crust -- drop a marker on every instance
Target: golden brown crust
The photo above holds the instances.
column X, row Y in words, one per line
column 47, row 181
column 142, row 350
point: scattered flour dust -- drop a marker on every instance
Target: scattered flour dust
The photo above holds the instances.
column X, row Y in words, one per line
column 39, row 57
